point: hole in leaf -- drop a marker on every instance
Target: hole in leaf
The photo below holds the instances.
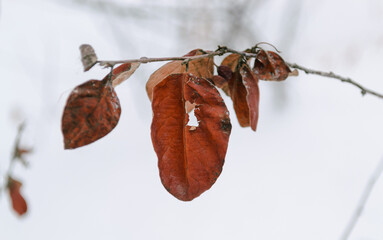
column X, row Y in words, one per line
column 193, row 122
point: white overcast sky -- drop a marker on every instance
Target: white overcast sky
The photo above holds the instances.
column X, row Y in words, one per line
column 298, row 177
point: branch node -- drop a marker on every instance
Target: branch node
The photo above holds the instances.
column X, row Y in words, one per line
column 144, row 59
column 221, row 49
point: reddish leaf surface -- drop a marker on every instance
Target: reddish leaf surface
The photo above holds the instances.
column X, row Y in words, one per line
column 238, row 94
column 231, row 61
column 190, row 158
column 18, row 202
column 270, row 66
column 91, row 112
column 219, row 81
column 250, row 82
column 244, row 91
column 225, row 72
column 123, row 72
column 222, row 80
column 203, row 67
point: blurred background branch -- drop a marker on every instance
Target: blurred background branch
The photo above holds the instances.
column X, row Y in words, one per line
column 363, row 200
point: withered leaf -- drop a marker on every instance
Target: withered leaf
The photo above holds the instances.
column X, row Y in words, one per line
column 238, row 94
column 250, row 82
column 18, row 202
column 88, row 56
column 190, row 158
column 203, row 67
column 270, row 66
column 219, row 81
column 91, row 112
column 244, row 92
column 231, row 61
column 123, row 72
column 225, row 74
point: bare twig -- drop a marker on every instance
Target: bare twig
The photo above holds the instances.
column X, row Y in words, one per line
column 223, row 50
column 362, row 201
column 219, row 52
column 363, row 90
column 16, row 149
column 15, row 155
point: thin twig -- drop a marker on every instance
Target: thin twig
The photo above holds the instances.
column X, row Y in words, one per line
column 363, row 90
column 14, row 156
column 219, row 52
column 223, row 50
column 362, row 201
column 16, row 149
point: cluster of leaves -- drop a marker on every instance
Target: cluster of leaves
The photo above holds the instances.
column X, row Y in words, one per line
column 13, row 185
column 190, row 157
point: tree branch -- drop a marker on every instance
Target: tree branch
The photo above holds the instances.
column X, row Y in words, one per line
column 362, row 201
column 219, row 52
column 363, row 90
column 252, row 54
column 17, row 155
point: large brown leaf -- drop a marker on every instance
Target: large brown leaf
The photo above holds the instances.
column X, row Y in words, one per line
column 270, row 66
column 18, row 202
column 203, row 67
column 91, row 112
column 190, row 158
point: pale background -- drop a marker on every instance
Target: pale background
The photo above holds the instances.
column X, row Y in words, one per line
column 298, row 177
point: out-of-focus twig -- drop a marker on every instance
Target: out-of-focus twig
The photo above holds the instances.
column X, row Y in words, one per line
column 362, row 201
column 16, row 154
column 363, row 90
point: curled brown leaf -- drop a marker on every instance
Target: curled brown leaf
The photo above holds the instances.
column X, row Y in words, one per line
column 203, row 67
column 250, row 82
column 238, row 95
column 231, row 61
column 244, row 92
column 270, row 66
column 123, row 72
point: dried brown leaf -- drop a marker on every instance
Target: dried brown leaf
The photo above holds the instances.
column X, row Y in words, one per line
column 238, row 95
column 203, row 67
column 244, row 92
column 270, row 66
column 231, row 61
column 250, row 82
column 190, row 158
column 123, row 72
column 91, row 112
column 88, row 56
column 18, row 202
